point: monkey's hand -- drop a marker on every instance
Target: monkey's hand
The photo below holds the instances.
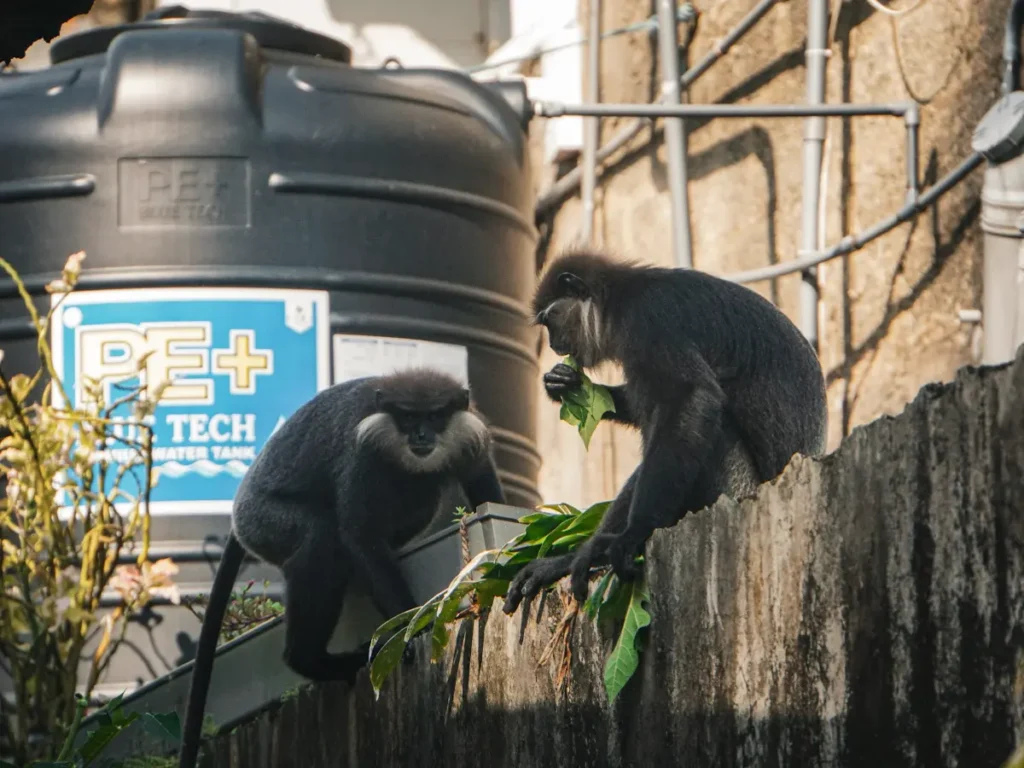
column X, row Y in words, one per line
column 561, row 380
column 533, row 577
column 617, row 549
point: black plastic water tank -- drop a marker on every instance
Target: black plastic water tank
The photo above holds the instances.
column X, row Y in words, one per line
column 237, row 151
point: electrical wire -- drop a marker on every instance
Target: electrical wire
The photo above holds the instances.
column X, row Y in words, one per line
column 898, row 52
column 852, row 243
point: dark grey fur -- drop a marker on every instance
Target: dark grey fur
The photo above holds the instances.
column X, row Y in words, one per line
column 722, row 386
column 350, row 477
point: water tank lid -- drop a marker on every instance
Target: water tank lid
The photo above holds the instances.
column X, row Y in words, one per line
column 270, row 32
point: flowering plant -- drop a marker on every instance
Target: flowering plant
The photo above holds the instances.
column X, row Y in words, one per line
column 69, row 529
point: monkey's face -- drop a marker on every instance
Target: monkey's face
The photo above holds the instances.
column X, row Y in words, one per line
column 424, row 434
column 568, row 308
column 573, row 329
column 420, row 429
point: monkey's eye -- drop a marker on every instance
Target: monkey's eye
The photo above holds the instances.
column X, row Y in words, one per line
column 406, row 421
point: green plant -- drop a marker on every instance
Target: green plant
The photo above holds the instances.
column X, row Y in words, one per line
column 584, row 407
column 111, row 721
column 552, row 530
column 65, row 522
column 244, row 611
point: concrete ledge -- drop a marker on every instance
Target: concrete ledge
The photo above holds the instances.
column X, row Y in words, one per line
column 866, row 610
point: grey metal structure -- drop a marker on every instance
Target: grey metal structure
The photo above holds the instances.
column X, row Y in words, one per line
column 568, row 183
column 815, row 110
column 999, row 138
column 814, row 141
column 592, row 127
column 675, row 135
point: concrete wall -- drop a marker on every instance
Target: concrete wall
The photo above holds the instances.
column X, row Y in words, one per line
column 866, row 609
column 889, row 320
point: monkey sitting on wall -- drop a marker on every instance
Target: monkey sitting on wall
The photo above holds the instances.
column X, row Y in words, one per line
column 350, row 477
column 722, row 386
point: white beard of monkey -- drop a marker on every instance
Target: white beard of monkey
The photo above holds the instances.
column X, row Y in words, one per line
column 590, row 332
column 465, row 436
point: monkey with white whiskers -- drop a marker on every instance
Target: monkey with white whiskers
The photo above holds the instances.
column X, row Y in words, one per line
column 350, row 477
column 722, row 386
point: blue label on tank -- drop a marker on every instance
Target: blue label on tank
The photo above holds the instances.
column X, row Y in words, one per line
column 238, row 363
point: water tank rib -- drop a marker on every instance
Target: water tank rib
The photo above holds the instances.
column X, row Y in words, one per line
column 276, row 277
column 394, row 190
column 47, row 187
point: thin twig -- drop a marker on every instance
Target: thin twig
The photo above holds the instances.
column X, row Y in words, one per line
column 20, row 413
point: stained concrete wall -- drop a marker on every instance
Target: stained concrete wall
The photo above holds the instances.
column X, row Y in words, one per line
column 865, row 609
column 889, row 320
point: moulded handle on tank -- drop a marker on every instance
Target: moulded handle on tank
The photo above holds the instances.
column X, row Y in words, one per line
column 269, row 31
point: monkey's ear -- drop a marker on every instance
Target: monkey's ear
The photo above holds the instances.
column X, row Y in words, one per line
column 573, row 285
column 463, row 399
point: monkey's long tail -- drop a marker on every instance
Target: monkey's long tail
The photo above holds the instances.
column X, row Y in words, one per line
column 202, row 667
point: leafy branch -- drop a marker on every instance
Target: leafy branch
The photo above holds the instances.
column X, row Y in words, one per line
column 584, row 407
column 552, row 530
column 244, row 612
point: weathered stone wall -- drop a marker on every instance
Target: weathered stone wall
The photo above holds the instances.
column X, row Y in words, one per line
column 866, row 609
column 889, row 320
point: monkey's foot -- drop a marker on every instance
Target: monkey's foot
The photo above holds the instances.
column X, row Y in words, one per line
column 622, row 555
column 618, row 550
column 533, row 577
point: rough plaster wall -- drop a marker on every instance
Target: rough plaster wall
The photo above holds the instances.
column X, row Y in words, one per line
column 889, row 320
column 866, row 609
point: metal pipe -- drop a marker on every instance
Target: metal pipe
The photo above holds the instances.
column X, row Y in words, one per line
column 557, row 109
column 853, row 243
column 999, row 297
column 913, row 122
column 1019, row 335
column 814, row 142
column 1011, row 47
column 565, row 185
column 675, row 134
column 722, row 46
column 592, row 128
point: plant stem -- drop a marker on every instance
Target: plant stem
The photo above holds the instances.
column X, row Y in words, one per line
column 16, row 404
column 69, row 742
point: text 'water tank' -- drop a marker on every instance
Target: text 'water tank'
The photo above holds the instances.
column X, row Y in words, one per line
column 265, row 219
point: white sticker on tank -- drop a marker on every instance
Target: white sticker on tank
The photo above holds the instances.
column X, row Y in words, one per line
column 356, row 356
column 298, row 315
